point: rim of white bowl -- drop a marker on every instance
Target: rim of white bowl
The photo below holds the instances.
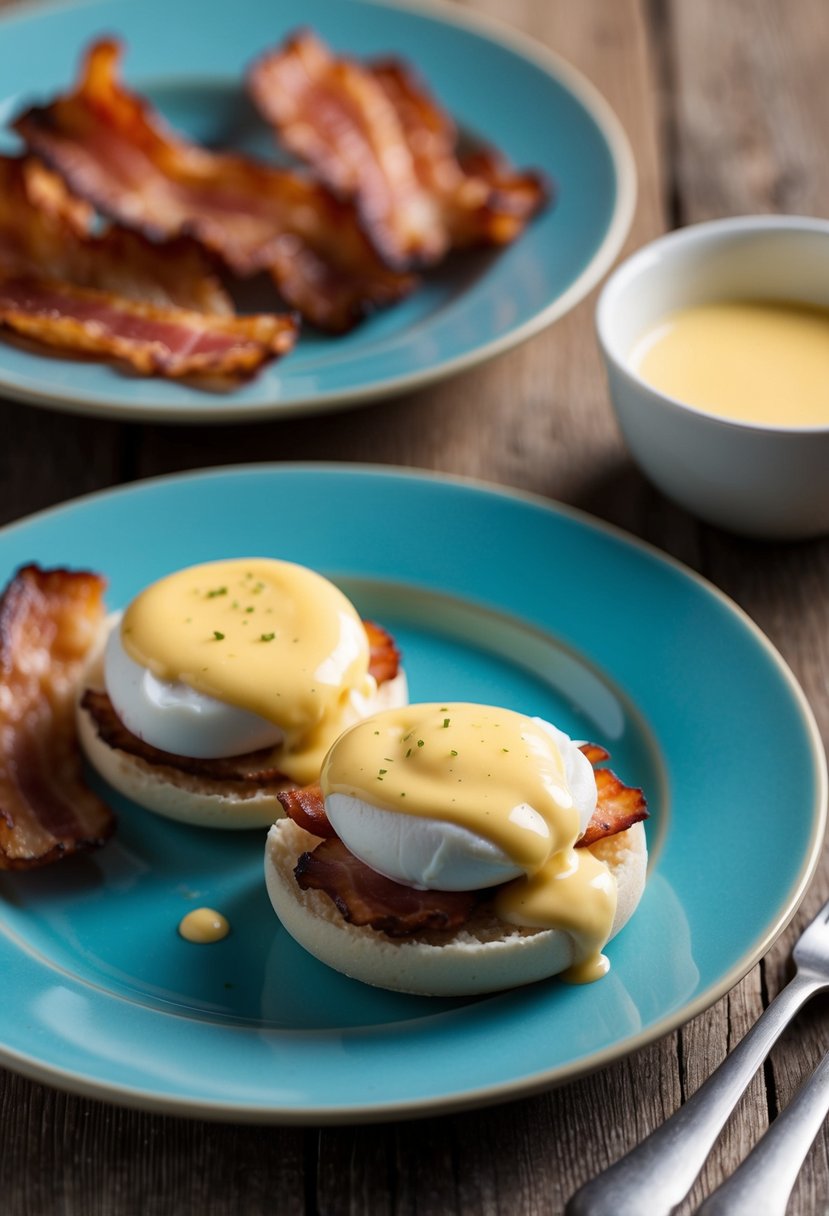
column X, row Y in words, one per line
column 680, row 238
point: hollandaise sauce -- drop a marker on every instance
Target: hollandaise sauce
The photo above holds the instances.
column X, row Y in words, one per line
column 267, row 636
column 500, row 775
column 204, row 926
column 752, row 360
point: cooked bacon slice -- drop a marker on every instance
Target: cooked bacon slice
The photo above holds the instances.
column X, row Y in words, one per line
column 115, row 151
column 595, row 753
column 384, row 660
column 254, row 767
column 46, row 232
column 365, row 897
column 373, row 134
column 156, row 308
column 172, row 342
column 618, row 806
column 306, row 806
column 49, row 619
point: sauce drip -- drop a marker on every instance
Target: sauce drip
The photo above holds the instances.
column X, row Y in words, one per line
column 203, row 926
column 754, row 361
column 500, row 775
column 267, row 636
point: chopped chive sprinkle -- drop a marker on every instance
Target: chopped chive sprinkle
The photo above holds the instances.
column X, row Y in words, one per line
column 218, row 636
column 383, row 771
column 445, row 723
column 251, row 609
column 408, row 753
column 266, row 637
column 453, row 752
column 420, row 743
column 216, row 591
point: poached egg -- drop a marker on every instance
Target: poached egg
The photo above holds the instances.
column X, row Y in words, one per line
column 458, row 796
column 233, row 656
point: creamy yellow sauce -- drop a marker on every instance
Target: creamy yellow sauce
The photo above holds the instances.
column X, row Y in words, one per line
column 475, row 767
column 755, row 360
column 204, row 926
column 267, row 636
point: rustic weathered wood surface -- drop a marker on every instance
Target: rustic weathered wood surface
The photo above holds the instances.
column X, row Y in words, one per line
column 726, row 108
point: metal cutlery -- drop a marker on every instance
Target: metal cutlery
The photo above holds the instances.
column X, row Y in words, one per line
column 761, row 1186
column 656, row 1175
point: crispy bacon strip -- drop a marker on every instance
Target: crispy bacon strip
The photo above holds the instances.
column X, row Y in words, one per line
column 114, row 150
column 400, row 910
column 256, row 768
column 373, row 134
column 365, row 897
column 45, row 232
column 384, row 658
column 618, row 806
column 48, row 621
column 306, row 806
column 118, row 295
column 172, row 342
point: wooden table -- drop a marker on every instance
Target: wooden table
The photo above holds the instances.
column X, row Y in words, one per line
column 726, row 108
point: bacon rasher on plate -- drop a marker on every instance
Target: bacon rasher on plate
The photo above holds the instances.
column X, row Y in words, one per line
column 47, row 232
column 373, row 133
column 159, row 309
column 115, row 151
column 365, row 897
column 49, row 619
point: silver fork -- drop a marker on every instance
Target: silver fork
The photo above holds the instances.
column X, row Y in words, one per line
column 656, row 1175
column 761, row 1186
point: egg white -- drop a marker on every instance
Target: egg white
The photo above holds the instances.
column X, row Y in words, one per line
column 430, row 854
column 176, row 718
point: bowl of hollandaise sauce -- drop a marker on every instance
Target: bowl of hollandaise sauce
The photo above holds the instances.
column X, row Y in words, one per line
column 716, row 343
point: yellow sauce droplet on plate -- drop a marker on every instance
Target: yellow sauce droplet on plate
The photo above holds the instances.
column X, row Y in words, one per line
column 204, row 925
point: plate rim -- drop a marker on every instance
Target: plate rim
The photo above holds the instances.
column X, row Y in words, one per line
column 522, row 46
column 134, row 1097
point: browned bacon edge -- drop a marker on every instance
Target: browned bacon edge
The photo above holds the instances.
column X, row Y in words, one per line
column 367, row 898
column 254, row 770
column 49, row 619
column 46, row 232
column 254, row 767
column 116, row 152
column 170, row 342
column 158, row 309
column 372, row 132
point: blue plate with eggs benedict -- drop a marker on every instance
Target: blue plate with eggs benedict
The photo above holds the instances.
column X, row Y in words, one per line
column 105, row 997
column 542, row 115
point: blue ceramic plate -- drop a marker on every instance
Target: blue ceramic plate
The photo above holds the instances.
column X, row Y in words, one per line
column 189, row 57
column 495, row 598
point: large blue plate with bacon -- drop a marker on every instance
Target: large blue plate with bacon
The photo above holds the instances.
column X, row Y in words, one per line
column 186, row 68
column 102, row 996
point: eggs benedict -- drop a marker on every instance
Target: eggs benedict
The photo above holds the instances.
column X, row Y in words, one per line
column 223, row 683
column 454, row 848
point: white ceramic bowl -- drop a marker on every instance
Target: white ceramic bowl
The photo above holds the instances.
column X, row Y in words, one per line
column 760, row 480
